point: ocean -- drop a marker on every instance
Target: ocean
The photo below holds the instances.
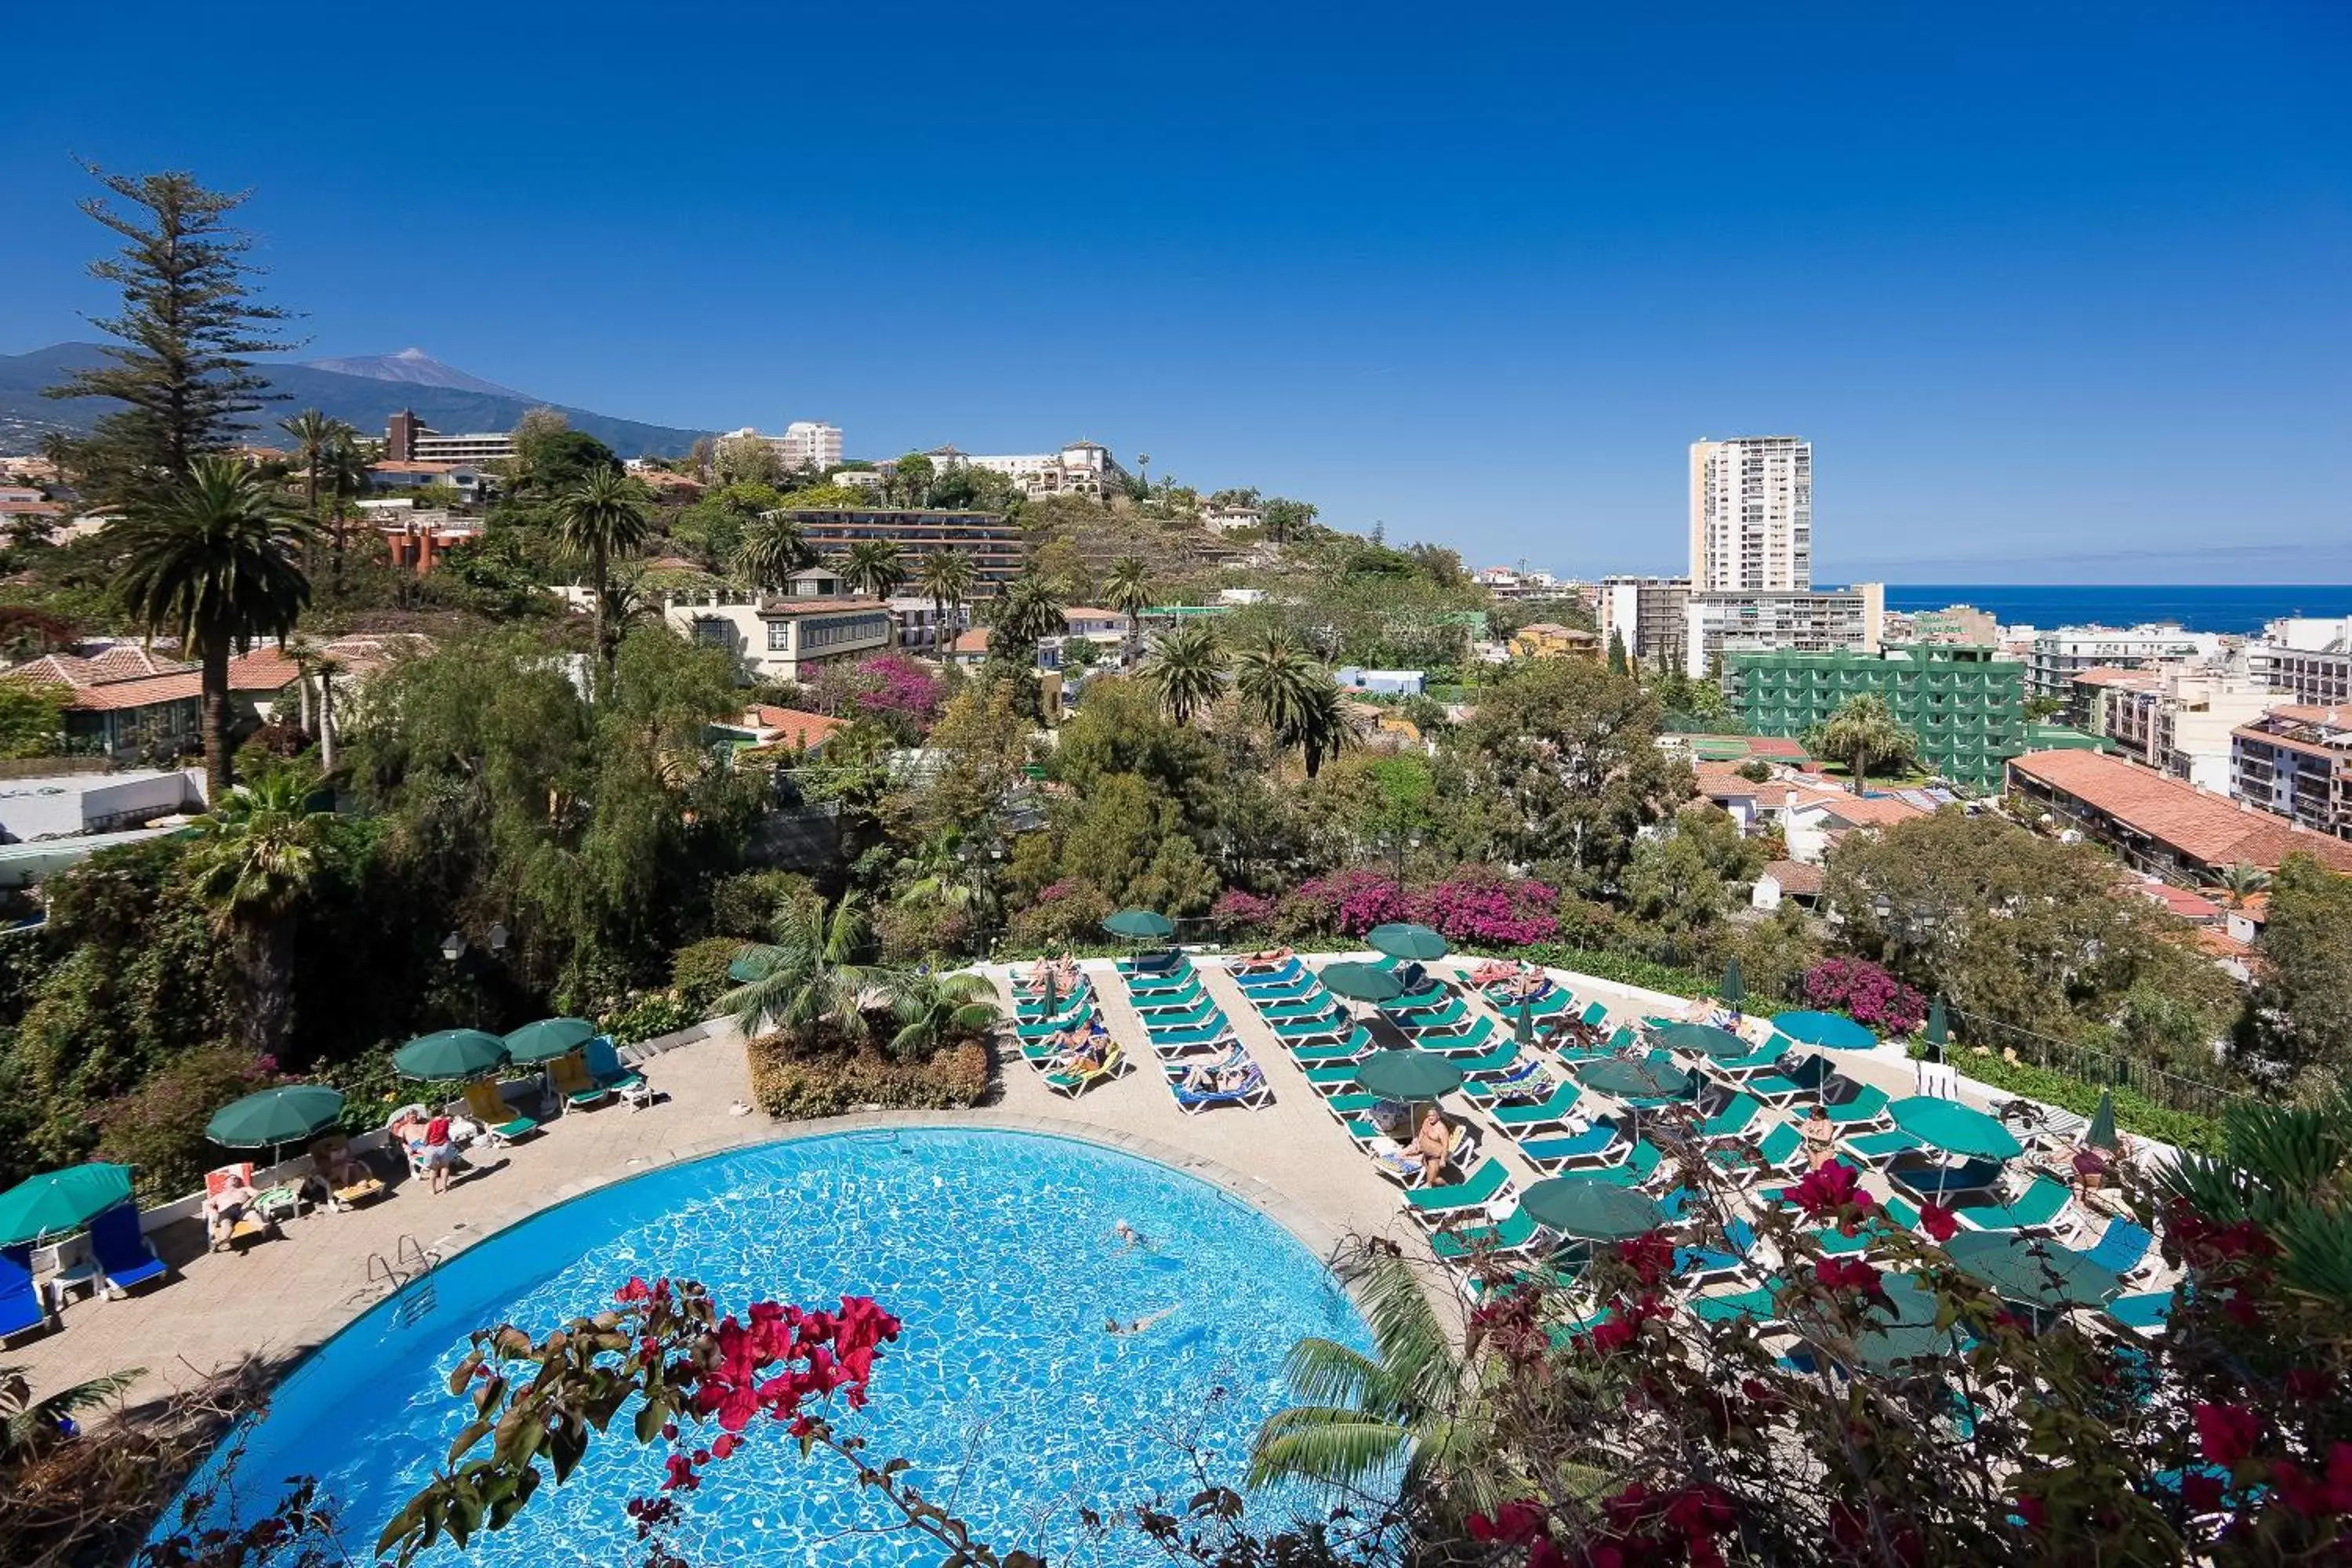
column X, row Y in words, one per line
column 2231, row 608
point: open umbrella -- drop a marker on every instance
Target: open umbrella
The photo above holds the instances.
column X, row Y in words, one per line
column 1905, row 1333
column 2038, row 1273
column 1939, row 1034
column 548, row 1039
column 1701, row 1039
column 2101, row 1134
column 275, row 1117
column 1589, row 1210
column 1407, row 1074
column 59, row 1201
column 1361, row 983
column 1140, row 925
column 1635, row 1080
column 1414, row 942
column 1829, row 1029
column 449, row 1054
column 1954, row 1128
column 744, row 971
column 1735, row 989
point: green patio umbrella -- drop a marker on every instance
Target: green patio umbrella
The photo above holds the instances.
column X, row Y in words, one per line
column 1414, row 942
column 1587, row 1210
column 1701, row 1039
column 2037, row 1273
column 743, row 971
column 1829, row 1029
column 450, row 1053
column 59, row 1201
column 1938, row 1035
column 1361, row 983
column 2102, row 1131
column 1140, row 925
column 1954, row 1128
column 1523, row 1026
column 275, row 1117
column 1635, row 1080
column 1407, row 1074
column 548, row 1039
column 1908, row 1332
column 1734, row 990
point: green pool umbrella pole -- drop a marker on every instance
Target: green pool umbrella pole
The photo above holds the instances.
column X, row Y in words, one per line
column 548, row 1039
column 1523, row 1028
column 274, row 1117
column 56, row 1202
column 1140, row 925
column 1417, row 942
column 449, row 1054
column 1735, row 988
column 2101, row 1134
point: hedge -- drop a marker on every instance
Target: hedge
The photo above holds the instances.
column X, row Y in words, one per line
column 791, row 1082
column 2134, row 1111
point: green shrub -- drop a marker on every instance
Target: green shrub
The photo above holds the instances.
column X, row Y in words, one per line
column 648, row 1017
column 698, row 972
column 909, row 933
column 792, row 1082
column 745, row 905
column 2134, row 1111
column 158, row 1129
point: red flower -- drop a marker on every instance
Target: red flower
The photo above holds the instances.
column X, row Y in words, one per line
column 1543, row 1553
column 1651, row 1256
column 2028, row 1508
column 1829, row 1188
column 2314, row 1497
column 2227, row 1433
column 2201, row 1490
column 1514, row 1522
column 723, row 1445
column 1940, row 1224
column 1846, row 1274
column 636, row 1289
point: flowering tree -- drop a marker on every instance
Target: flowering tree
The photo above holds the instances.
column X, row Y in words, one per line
column 1866, row 992
column 1468, row 904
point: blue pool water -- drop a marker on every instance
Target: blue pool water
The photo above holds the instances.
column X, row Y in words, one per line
column 998, row 1251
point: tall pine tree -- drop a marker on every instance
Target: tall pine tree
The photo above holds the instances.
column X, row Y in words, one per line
column 189, row 321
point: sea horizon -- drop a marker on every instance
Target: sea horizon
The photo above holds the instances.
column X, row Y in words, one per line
column 2228, row 607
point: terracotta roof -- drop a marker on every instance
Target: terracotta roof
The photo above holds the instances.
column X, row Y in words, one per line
column 2206, row 828
column 814, row 606
column 793, row 726
column 416, row 466
column 31, row 509
column 141, row 691
column 972, row 641
column 2188, row 906
column 1870, row 810
column 1718, row 780
column 2219, row 943
column 1797, row 878
column 1093, row 613
column 2114, row 675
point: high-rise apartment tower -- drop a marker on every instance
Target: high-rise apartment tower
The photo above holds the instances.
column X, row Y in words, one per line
column 1751, row 515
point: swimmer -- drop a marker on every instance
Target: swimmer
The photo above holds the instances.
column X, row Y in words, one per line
column 1137, row 1327
column 1128, row 1236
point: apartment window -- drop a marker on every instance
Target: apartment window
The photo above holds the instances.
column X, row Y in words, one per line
column 780, row 637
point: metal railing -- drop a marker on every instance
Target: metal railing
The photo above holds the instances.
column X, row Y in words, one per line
column 2091, row 1064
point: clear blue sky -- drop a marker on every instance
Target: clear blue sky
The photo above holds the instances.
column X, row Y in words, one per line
column 2058, row 292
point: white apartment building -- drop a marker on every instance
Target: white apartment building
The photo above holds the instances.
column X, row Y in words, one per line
column 2061, row 655
column 1649, row 614
column 1751, row 515
column 1822, row 620
column 2307, row 656
column 2179, row 720
column 805, row 444
column 1227, row 519
column 1082, row 468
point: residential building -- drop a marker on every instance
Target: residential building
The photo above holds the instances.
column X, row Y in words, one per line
column 992, row 544
column 418, row 537
column 60, row 817
column 1228, row 519
column 1381, row 682
column 2088, row 694
column 408, row 440
column 859, row 478
column 1967, row 708
column 920, row 625
column 789, row 636
column 1648, row 614
column 1751, row 515
column 805, row 444
column 2176, row 720
column 130, row 704
column 1826, row 620
column 1081, row 468
column 2161, row 826
column 1517, row 583
column 1788, row 879
column 2062, row 653
column 470, row 480
column 764, row 724
column 1963, row 624
column 1550, row 639
column 2307, row 659
column 2297, row 760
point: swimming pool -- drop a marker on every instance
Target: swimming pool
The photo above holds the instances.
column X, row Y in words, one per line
column 1015, row 1405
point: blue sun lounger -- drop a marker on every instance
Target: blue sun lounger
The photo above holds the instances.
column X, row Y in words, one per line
column 2146, row 1313
column 1590, row 1149
column 1254, row 1091
column 22, row 1309
column 125, row 1261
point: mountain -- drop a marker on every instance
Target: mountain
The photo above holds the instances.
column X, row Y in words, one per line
column 417, row 368
column 365, row 401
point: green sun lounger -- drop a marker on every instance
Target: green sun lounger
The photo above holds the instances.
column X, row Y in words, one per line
column 1593, row 1150
column 1516, row 1232
column 2145, row 1313
column 1192, row 1035
column 1863, row 1110
column 1297, row 985
column 1454, row 1048
column 1054, row 1026
column 1778, row 1152
column 1595, row 1014
column 1755, row 1304
column 1198, row 1010
column 1484, row 1186
column 1345, row 1106
column 1737, row 1115
column 1178, row 1001
column 1876, row 1148
column 1518, row 1120
column 1313, row 1000
column 2039, row 1207
column 1331, row 1079
column 1349, row 1051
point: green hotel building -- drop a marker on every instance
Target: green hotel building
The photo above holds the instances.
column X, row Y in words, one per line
column 1966, row 705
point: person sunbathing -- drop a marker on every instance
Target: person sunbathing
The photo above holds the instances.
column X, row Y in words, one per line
column 1226, row 1076
column 1266, row 958
column 224, row 1205
column 1430, row 1154
column 1087, row 1057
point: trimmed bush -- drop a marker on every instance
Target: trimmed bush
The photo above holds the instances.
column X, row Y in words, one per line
column 698, row 972
column 791, row 1082
column 649, row 1016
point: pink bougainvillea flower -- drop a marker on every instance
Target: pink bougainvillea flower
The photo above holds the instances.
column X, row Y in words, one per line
column 1846, row 1274
column 1939, row 1223
column 2227, row 1433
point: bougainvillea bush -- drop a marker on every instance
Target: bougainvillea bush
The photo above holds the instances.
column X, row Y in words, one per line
column 1866, row 994
column 1469, row 904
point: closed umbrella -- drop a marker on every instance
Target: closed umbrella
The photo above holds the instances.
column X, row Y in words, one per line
column 2101, row 1134
column 1734, row 987
column 275, row 1117
column 1417, row 942
column 1140, row 925
column 1361, row 983
column 1954, row 1128
column 1829, row 1030
column 1407, row 1074
column 2037, row 1273
column 1589, row 1210
column 59, row 1201
column 1636, row 1080
column 1701, row 1039
column 548, row 1039
column 1523, row 1028
column 1052, row 992
column 449, row 1054
column 1938, row 1035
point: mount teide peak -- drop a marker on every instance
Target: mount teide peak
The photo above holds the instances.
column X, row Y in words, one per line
column 416, row 368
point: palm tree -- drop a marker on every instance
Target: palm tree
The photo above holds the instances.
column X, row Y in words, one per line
column 1327, row 728
column 1413, row 1399
column 602, row 517
column 215, row 561
column 1864, row 734
column 808, row 977
column 1027, row 613
column 1128, row 590
column 313, row 432
column 344, row 476
column 2242, row 881
column 936, row 875
column 26, row 1424
column 946, row 578
column 261, row 850
column 936, row 1010
column 1276, row 681
column 873, row 566
column 1185, row 669
column 772, row 550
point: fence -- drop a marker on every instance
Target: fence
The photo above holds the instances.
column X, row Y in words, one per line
column 2091, row 1064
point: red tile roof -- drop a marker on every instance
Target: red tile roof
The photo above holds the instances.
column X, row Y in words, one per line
column 793, row 727
column 2206, row 828
column 972, row 641
column 263, row 669
column 2188, row 906
column 1796, row 878
column 1870, row 810
column 2113, row 675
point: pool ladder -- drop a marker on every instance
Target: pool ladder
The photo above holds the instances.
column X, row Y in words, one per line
column 409, row 1265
